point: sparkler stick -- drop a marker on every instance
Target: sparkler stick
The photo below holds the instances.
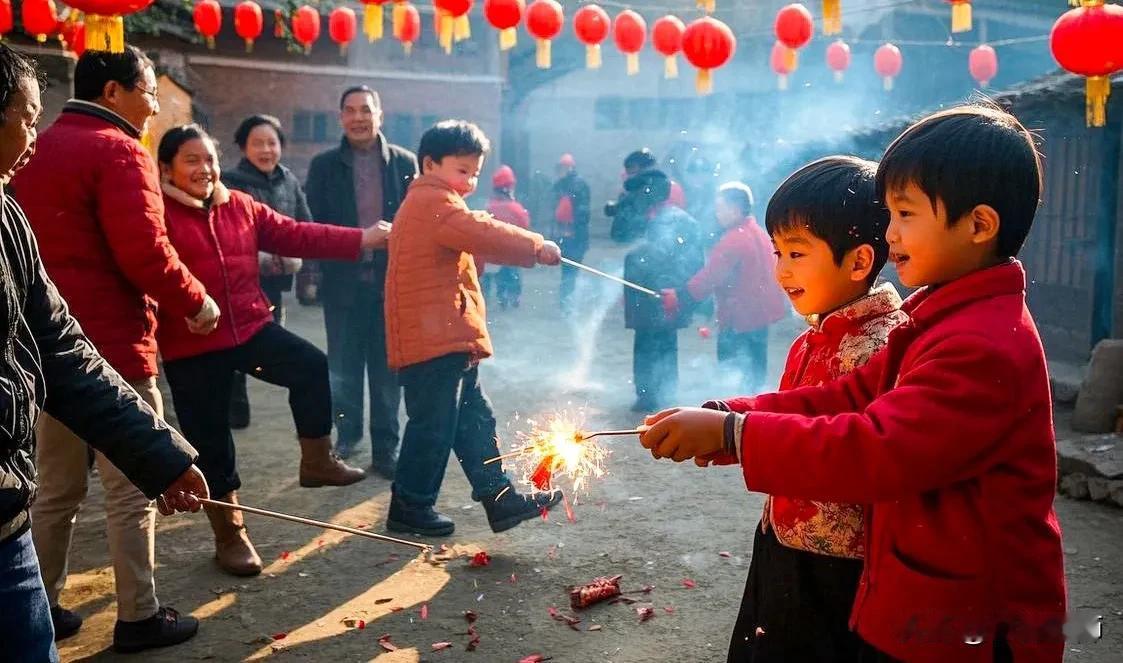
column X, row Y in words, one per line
column 317, row 523
column 610, row 277
column 579, row 436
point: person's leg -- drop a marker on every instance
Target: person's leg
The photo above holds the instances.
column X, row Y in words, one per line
column 664, row 362
column 516, row 287
column 641, row 366
column 239, row 402
column 25, row 615
column 385, row 400
column 756, row 351
column 731, row 371
column 565, row 289
column 345, row 364
column 274, row 289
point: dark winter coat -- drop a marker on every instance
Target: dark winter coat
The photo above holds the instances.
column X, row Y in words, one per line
column 670, row 253
column 331, row 197
column 574, row 241
column 48, row 363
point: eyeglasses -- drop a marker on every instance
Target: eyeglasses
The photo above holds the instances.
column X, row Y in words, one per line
column 151, row 93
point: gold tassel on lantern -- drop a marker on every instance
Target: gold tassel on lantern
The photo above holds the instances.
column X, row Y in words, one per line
column 782, row 82
column 1096, row 92
column 397, row 18
column 791, row 59
column 446, row 25
column 832, row 17
column 542, row 54
column 704, row 81
column 508, row 39
column 670, row 67
column 462, row 28
column 372, row 22
column 105, row 33
column 707, row 6
column 633, row 63
column 592, row 56
column 888, row 83
column 961, row 17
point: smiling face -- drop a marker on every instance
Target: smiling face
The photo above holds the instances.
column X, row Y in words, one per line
column 361, row 119
column 18, row 131
column 814, row 282
column 136, row 105
column 461, row 172
column 194, row 168
column 263, row 148
column 926, row 249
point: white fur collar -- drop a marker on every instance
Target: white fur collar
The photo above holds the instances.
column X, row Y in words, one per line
column 220, row 196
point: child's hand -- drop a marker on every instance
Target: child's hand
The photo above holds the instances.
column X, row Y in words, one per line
column 549, row 254
column 375, row 237
column 669, row 298
column 684, row 433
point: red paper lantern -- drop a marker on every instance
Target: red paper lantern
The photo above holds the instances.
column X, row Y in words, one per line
column 793, row 29
column 707, row 44
column 781, row 64
column 887, row 61
column 7, row 20
column 407, row 24
column 1088, row 41
column 838, row 58
column 832, row 17
column 73, row 36
column 544, row 21
column 451, row 17
column 591, row 25
column 306, row 26
column 960, row 15
column 372, row 19
column 629, row 31
column 248, row 22
column 983, row 64
column 342, row 27
column 505, row 16
column 666, row 37
column 105, row 29
column 208, row 20
column 39, row 18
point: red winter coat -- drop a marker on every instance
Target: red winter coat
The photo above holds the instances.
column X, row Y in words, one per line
column 739, row 275
column 220, row 245
column 948, row 433
column 92, row 195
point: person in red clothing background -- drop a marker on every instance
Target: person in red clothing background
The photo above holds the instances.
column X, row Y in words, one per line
column 92, row 195
column 218, row 233
column 504, row 206
column 947, row 433
column 738, row 274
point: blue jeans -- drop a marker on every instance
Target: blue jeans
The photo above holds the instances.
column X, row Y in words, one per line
column 448, row 411
column 26, row 633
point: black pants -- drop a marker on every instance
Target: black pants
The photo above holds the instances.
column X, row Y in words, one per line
column 200, row 388
column 357, row 343
column 448, row 411
column 745, row 353
column 274, row 288
column 655, row 366
column 569, row 274
column 508, row 287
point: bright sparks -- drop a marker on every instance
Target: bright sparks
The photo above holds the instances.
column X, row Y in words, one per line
column 557, row 447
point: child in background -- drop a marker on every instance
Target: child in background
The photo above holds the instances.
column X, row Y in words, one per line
column 738, row 274
column 436, row 334
column 947, row 432
column 504, row 206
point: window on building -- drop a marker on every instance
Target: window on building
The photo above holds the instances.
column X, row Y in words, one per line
column 314, row 127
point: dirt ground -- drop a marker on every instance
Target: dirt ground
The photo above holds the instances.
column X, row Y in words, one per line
column 683, row 530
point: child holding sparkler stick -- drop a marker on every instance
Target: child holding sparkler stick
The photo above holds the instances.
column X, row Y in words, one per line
column 436, row 332
column 947, row 432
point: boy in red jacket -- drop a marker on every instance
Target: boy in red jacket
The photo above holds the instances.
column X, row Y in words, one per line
column 738, row 274
column 948, row 432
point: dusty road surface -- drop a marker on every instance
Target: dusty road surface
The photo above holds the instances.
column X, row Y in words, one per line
column 682, row 530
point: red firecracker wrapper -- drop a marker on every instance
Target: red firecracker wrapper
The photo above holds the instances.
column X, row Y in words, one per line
column 543, row 474
column 385, row 643
column 600, row 589
column 480, row 559
column 645, row 612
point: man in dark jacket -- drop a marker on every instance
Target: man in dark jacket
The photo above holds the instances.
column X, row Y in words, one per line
column 669, row 254
column 50, row 363
column 358, row 184
column 92, row 195
column 571, row 218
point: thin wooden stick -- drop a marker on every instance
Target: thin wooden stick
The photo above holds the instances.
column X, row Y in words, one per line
column 505, row 456
column 424, row 547
column 579, row 435
column 611, row 277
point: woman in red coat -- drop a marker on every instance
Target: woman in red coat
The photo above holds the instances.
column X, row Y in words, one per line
column 218, row 234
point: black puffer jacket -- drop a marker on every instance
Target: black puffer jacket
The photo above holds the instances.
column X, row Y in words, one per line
column 671, row 252
column 46, row 362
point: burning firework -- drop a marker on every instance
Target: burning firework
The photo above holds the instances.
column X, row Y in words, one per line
column 557, row 447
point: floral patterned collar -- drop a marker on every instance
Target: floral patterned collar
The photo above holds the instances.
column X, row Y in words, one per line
column 881, row 300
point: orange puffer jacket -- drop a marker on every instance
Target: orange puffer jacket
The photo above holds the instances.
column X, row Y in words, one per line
column 434, row 306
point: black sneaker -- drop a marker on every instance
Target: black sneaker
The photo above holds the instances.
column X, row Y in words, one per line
column 66, row 622
column 164, row 629
column 423, row 520
column 512, row 508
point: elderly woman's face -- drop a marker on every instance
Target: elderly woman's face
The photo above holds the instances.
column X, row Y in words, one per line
column 18, row 132
column 194, row 168
column 263, row 148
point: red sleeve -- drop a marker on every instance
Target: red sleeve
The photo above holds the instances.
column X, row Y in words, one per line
column 939, row 425
column 717, row 272
column 130, row 212
column 277, row 233
column 849, row 393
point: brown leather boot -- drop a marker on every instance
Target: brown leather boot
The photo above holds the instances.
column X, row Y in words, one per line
column 232, row 547
column 319, row 466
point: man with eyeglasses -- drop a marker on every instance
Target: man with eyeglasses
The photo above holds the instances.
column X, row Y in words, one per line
column 92, row 194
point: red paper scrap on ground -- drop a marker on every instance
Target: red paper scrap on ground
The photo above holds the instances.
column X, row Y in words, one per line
column 280, row 636
column 545, row 512
column 514, row 579
column 437, row 646
column 480, row 559
column 689, row 584
column 568, row 510
column 543, row 473
column 362, row 624
column 600, row 589
column 534, row 658
column 569, row 620
column 645, row 613
column 669, row 609
column 385, row 643
column 397, row 608
column 725, row 554
column 320, row 542
column 285, row 554
column 425, row 611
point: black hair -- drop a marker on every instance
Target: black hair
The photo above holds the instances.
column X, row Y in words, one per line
column 739, row 194
column 15, row 69
column 652, row 186
column 95, row 69
column 176, row 137
column 976, row 154
column 640, row 160
column 360, row 88
column 835, row 199
column 242, row 134
column 452, row 138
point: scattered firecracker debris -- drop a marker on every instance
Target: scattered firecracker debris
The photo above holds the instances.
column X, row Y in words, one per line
column 473, row 634
column 513, row 579
column 645, row 613
column 545, row 513
column 437, row 646
column 725, row 554
column 552, row 552
column 280, row 636
column 362, row 526
column 480, row 559
column 353, row 622
column 600, row 589
column 381, row 601
column 542, row 475
column 568, row 510
column 595, row 627
column 535, row 658
column 689, row 584
column 669, row 609
column 425, row 611
column 396, row 608
column 626, row 600
column 384, row 642
column 285, row 554
column 470, row 615
column 569, row 620
column 320, row 543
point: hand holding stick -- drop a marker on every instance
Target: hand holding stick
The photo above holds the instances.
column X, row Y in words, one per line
column 580, row 437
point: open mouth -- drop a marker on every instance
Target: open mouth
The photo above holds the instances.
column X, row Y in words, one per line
column 794, row 293
column 899, row 259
